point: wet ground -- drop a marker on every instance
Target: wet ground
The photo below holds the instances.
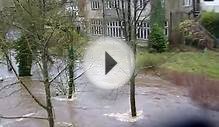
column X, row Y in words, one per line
column 159, row 103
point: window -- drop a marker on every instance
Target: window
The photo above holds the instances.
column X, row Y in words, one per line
column 117, row 4
column 112, row 4
column 143, row 30
column 71, row 7
column 114, row 29
column 109, row 5
column 166, row 29
column 95, row 5
column 187, row 2
column 96, row 27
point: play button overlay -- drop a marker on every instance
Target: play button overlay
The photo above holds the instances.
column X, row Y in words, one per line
column 108, row 63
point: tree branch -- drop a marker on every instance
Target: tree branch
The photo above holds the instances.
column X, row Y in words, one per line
column 50, row 36
column 145, row 5
column 79, row 76
column 58, row 74
column 22, row 7
column 141, row 23
column 23, row 84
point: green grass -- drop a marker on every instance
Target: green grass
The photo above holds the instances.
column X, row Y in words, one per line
column 196, row 62
column 145, row 59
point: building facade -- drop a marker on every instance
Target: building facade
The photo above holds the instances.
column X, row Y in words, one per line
column 104, row 12
column 100, row 17
column 99, row 12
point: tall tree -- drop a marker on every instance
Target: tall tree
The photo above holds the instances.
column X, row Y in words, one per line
column 157, row 13
column 130, row 20
column 73, row 43
column 157, row 39
column 43, row 22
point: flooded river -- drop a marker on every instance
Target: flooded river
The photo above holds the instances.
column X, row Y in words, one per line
column 159, row 104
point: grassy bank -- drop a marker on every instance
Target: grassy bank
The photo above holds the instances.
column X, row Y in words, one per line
column 196, row 62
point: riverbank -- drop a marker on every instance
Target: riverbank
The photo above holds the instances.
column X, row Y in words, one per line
column 205, row 63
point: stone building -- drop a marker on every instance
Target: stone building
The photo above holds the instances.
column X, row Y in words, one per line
column 99, row 11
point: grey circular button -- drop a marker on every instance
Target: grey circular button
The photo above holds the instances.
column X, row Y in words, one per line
column 108, row 63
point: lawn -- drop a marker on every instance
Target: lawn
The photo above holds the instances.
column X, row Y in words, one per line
column 196, row 62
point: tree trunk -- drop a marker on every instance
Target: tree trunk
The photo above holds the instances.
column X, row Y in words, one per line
column 48, row 94
column 45, row 59
column 49, row 105
column 132, row 87
column 104, row 18
column 124, row 20
column 132, row 96
column 71, row 84
column 49, row 109
column 129, row 22
column 8, row 65
column 131, row 36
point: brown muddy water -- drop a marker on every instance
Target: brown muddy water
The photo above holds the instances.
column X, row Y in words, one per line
column 159, row 104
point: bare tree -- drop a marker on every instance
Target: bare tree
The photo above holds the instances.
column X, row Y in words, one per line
column 73, row 40
column 130, row 21
column 43, row 42
column 42, row 21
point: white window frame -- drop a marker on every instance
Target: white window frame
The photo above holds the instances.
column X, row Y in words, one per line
column 116, row 4
column 143, row 30
column 109, row 4
column 166, row 28
column 187, row 3
column 95, row 5
column 114, row 29
column 96, row 27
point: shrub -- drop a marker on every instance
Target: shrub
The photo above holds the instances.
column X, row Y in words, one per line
column 24, row 56
column 150, row 61
column 157, row 39
column 195, row 36
column 210, row 20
